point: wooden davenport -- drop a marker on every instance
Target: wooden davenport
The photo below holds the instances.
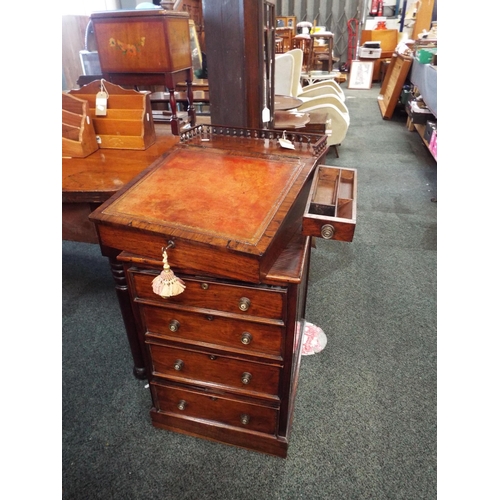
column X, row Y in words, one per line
column 222, row 358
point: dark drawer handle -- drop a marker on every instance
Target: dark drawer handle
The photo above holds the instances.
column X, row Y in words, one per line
column 244, row 304
column 327, row 231
column 178, row 365
column 246, row 338
column 174, row 325
column 181, row 405
column 246, row 377
column 244, row 418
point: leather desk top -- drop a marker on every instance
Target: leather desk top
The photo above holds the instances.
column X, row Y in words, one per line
column 241, row 199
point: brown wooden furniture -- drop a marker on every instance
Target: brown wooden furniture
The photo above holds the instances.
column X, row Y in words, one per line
column 323, row 51
column 222, row 358
column 306, row 44
column 240, row 50
column 78, row 134
column 287, row 120
column 128, row 119
column 388, row 41
column 284, row 102
column 287, row 22
column 146, row 47
column 88, row 182
column 286, row 35
column 423, row 18
column 394, row 80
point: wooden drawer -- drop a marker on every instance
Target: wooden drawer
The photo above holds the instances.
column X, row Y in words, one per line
column 213, row 330
column 192, row 404
column 266, row 302
column 331, row 208
column 204, row 369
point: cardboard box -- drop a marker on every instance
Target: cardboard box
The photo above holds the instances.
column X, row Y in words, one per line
column 418, row 112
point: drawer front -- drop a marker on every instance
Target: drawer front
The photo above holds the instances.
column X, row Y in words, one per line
column 248, row 300
column 213, row 330
column 195, row 405
column 331, row 208
column 210, row 370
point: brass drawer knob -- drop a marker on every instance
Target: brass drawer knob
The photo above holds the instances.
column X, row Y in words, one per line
column 179, row 365
column 246, row 377
column 244, row 418
column 174, row 325
column 181, row 405
column 244, row 304
column 204, row 286
column 246, row 338
column 327, row 231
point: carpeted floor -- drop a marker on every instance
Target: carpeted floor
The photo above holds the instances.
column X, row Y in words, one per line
column 365, row 416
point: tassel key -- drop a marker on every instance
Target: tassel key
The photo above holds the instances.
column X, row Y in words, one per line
column 167, row 284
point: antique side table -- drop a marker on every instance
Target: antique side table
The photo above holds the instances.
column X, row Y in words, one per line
column 147, row 47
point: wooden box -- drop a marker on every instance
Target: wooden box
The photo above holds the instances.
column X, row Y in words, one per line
column 331, row 208
column 142, row 42
column 78, row 135
column 128, row 123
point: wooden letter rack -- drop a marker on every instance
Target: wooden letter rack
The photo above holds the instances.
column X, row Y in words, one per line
column 128, row 123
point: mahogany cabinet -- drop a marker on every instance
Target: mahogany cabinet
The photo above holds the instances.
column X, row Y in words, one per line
column 237, row 213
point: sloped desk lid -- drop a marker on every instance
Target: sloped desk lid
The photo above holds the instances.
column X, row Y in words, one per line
column 238, row 205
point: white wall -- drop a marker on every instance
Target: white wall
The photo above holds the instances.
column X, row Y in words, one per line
column 86, row 7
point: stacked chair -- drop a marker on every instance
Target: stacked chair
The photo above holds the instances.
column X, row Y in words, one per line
column 326, row 96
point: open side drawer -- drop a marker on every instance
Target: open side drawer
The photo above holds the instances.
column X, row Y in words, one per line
column 331, row 208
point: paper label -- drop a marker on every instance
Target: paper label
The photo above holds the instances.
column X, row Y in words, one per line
column 101, row 104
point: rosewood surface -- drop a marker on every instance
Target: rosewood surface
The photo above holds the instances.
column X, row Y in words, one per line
column 87, row 182
column 222, row 358
column 147, row 47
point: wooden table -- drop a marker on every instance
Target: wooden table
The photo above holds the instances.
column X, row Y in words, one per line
column 285, row 102
column 309, row 123
column 289, row 120
column 87, row 182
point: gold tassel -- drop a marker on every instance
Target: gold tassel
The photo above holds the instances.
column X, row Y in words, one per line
column 167, row 284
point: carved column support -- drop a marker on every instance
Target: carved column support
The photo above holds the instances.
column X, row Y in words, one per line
column 128, row 317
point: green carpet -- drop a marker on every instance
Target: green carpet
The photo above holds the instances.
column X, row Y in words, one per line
column 365, row 418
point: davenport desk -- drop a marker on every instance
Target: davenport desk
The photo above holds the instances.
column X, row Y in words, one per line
column 235, row 212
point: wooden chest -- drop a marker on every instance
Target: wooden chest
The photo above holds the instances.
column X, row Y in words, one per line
column 142, row 42
column 222, row 358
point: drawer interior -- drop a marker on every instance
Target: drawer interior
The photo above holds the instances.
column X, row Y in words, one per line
column 333, row 194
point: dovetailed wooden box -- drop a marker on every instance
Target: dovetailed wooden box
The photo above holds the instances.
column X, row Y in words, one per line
column 78, row 135
column 128, row 123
